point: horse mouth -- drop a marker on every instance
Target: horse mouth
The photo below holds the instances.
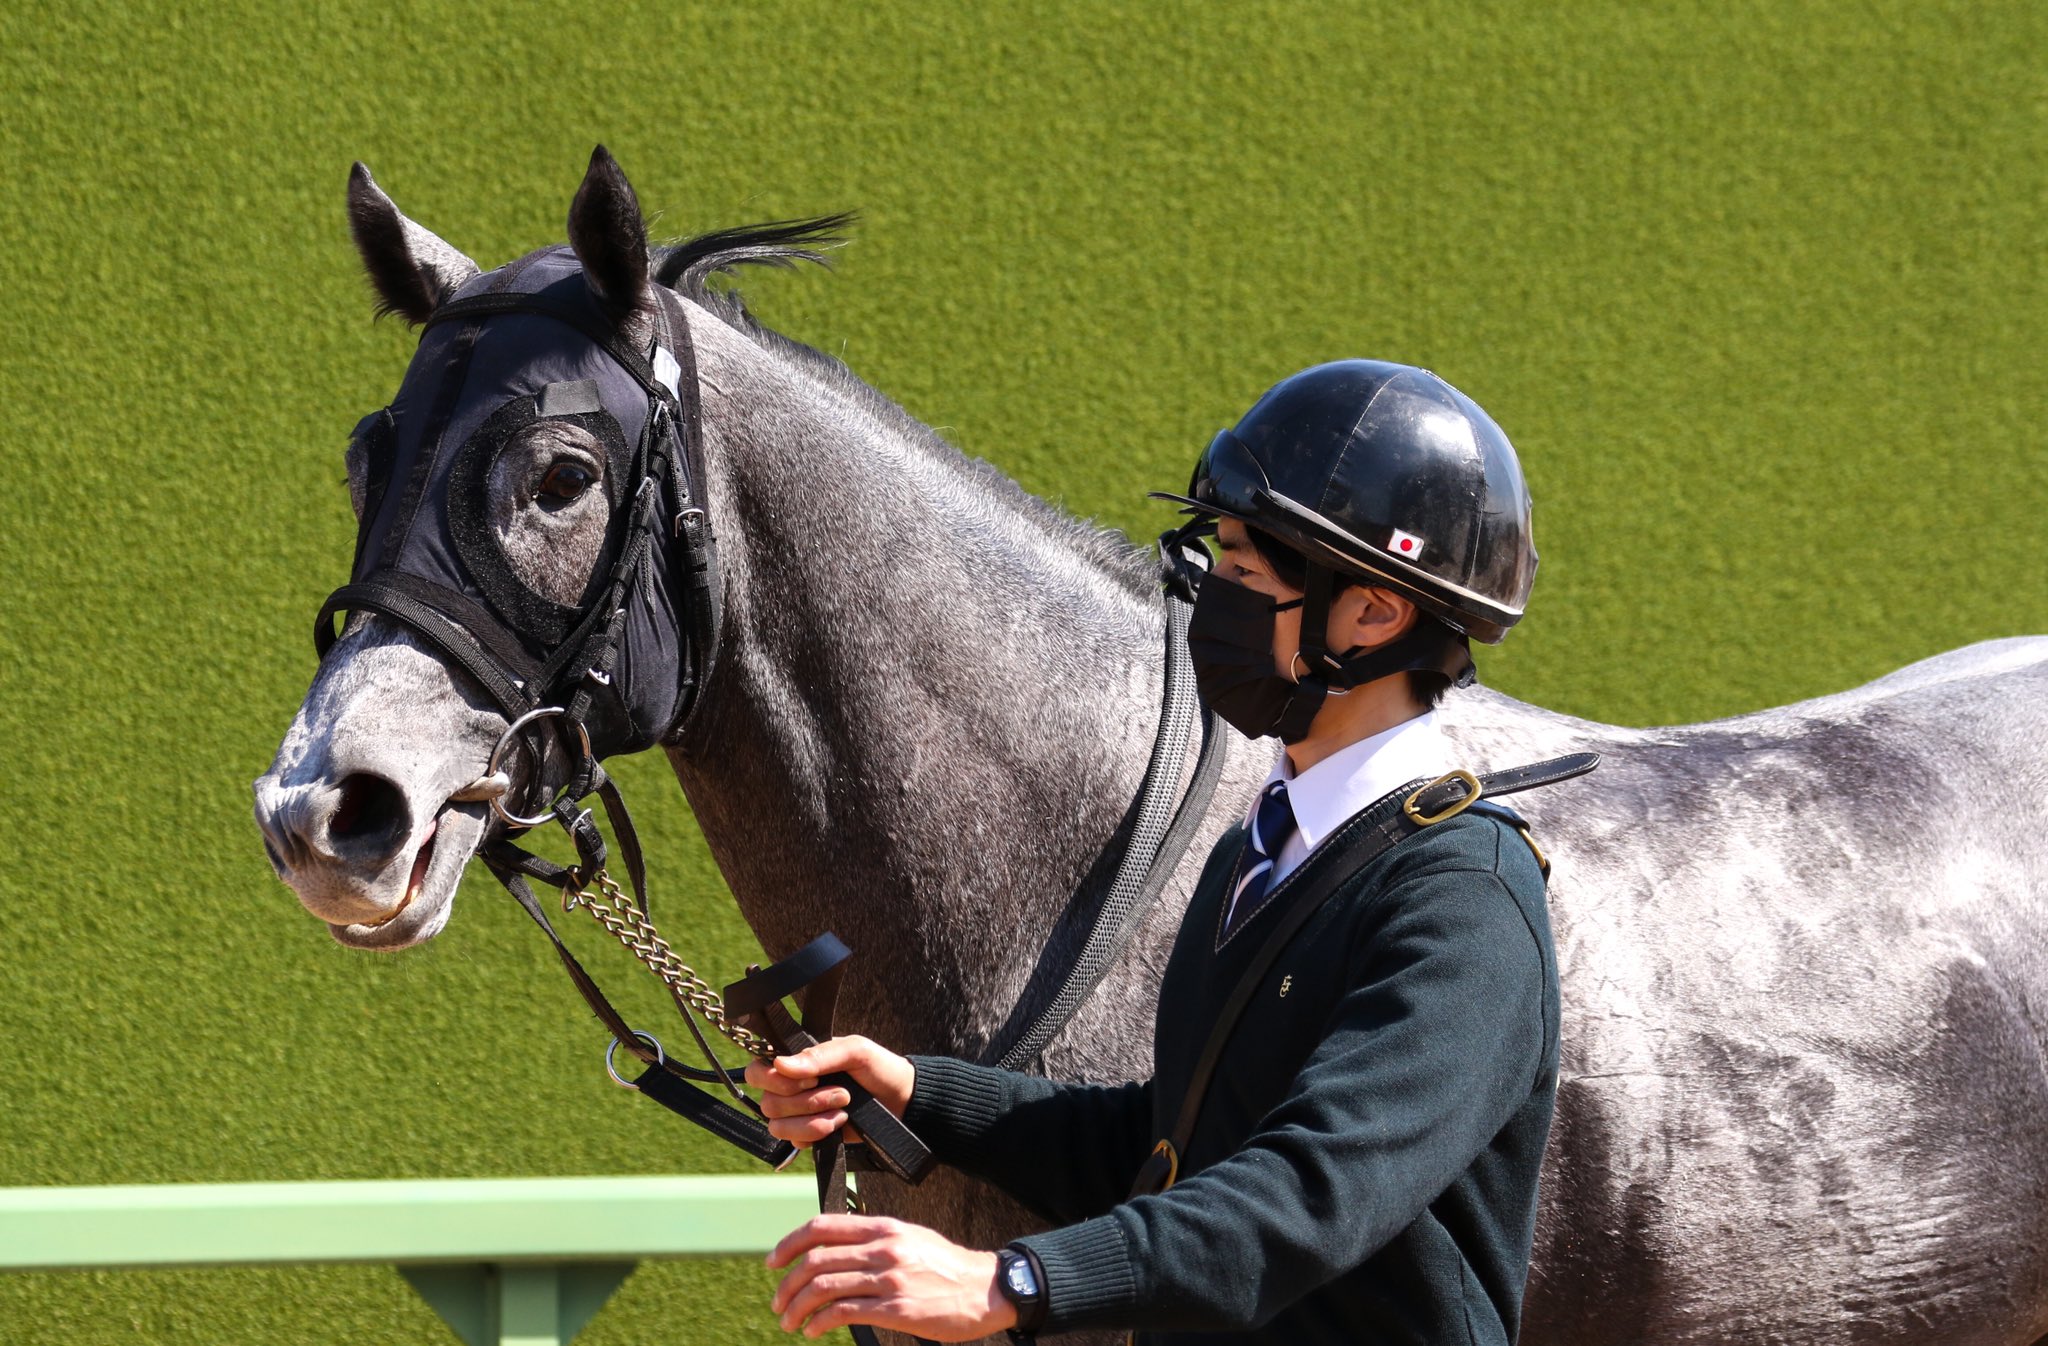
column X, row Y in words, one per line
column 424, row 907
column 414, row 880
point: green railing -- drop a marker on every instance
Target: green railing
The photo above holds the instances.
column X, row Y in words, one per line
column 505, row 1261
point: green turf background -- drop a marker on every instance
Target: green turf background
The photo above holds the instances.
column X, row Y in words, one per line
column 1757, row 291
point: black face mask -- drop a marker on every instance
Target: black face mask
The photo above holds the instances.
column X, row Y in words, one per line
column 1230, row 640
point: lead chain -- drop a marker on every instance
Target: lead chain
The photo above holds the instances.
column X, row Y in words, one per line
column 614, row 909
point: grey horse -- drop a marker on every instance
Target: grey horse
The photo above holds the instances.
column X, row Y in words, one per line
column 1803, row 1096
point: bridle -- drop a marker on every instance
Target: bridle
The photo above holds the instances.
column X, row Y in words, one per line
column 557, row 691
column 575, row 688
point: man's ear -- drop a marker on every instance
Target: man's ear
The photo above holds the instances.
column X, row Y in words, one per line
column 1363, row 617
column 410, row 268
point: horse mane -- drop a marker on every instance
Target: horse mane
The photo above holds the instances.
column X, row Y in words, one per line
column 689, row 266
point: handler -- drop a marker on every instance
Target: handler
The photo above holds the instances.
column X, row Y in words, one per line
column 1364, row 1169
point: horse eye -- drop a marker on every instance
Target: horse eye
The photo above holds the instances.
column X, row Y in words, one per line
column 566, row 480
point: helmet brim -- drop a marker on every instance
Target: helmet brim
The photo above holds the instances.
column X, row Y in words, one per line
column 1323, row 542
column 1201, row 508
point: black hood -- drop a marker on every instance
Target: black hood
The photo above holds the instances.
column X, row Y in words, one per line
column 525, row 343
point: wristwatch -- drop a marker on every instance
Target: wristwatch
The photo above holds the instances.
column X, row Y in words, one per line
column 1021, row 1280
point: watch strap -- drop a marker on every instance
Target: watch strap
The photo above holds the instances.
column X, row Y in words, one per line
column 1030, row 1309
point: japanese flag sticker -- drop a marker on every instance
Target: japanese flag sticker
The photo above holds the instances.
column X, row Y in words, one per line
column 1405, row 545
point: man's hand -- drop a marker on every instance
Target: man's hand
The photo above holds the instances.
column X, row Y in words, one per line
column 885, row 1273
column 800, row 1112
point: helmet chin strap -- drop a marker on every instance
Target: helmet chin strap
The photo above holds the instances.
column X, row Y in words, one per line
column 1426, row 647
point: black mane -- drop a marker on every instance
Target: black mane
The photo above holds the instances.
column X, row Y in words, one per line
column 688, row 265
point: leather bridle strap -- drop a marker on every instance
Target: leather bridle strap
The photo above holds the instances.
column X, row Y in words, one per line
column 459, row 627
column 662, row 1081
column 1160, row 833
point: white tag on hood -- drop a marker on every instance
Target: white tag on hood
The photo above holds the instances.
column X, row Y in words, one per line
column 668, row 371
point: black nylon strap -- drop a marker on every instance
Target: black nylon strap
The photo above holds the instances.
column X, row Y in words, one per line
column 812, row 974
column 715, row 1115
column 1364, row 839
column 628, row 838
column 692, row 525
column 672, row 1091
column 808, row 966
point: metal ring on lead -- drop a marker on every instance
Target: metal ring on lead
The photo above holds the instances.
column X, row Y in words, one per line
column 611, row 1068
column 498, row 753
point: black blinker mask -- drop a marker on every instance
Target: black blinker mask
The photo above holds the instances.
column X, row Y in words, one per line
column 515, row 348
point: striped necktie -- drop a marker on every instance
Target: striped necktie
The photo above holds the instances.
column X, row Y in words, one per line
column 1272, row 824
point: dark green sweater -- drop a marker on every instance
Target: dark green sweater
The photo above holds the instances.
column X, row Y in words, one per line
column 1365, row 1167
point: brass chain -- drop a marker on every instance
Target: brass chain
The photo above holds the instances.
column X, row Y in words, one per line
column 614, row 909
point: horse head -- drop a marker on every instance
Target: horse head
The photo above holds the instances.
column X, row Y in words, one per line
column 532, row 554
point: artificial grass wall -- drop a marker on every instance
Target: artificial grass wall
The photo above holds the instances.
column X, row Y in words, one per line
column 1757, row 291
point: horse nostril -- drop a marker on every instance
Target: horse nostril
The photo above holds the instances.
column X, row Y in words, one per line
column 370, row 813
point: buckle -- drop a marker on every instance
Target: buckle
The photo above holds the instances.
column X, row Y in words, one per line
column 1473, row 789
column 1162, row 1156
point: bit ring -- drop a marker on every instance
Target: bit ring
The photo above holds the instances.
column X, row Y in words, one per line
column 498, row 754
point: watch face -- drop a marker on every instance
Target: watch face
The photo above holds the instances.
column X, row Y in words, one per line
column 1018, row 1274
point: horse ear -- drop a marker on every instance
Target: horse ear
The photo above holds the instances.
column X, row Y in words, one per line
column 609, row 237
column 410, row 268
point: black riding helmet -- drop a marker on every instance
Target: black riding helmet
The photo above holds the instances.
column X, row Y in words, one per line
column 1387, row 474
column 1373, row 473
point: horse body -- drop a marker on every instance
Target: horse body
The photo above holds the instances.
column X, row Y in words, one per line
column 1804, row 994
column 1803, row 1090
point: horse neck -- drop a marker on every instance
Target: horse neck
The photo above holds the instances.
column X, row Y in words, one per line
column 935, row 695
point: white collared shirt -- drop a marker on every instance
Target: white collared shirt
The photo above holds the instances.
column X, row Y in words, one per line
column 1354, row 776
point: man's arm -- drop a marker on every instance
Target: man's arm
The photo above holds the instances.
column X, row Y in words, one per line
column 1437, row 1042
column 1066, row 1151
